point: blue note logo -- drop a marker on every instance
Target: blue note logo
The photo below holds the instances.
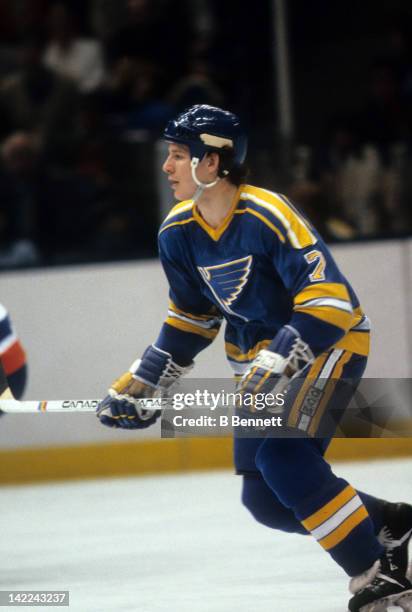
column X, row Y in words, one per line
column 226, row 281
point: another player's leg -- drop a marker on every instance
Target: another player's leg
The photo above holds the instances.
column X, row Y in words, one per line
column 13, row 373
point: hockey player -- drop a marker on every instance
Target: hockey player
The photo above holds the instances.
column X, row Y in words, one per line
column 244, row 254
column 12, row 355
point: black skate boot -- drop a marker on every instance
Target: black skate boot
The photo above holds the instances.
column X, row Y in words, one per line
column 396, row 533
column 382, row 586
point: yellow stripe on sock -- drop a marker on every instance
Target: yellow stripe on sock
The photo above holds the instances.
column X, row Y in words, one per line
column 324, row 513
column 344, row 529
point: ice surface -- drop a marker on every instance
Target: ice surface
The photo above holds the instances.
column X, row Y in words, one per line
column 172, row 544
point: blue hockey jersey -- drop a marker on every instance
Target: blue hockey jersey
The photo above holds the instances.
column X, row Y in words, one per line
column 264, row 267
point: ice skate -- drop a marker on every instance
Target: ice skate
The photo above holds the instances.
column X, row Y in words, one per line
column 396, row 533
column 381, row 587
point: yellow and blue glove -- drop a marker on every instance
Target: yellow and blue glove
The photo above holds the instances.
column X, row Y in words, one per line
column 286, row 358
column 126, row 405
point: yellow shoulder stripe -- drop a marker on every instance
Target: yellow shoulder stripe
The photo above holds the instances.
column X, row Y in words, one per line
column 298, row 231
column 262, row 218
column 179, row 208
column 176, row 223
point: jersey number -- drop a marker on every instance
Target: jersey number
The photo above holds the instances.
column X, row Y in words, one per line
column 318, row 273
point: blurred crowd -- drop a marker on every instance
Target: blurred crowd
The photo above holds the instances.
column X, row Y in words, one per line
column 357, row 181
column 86, row 88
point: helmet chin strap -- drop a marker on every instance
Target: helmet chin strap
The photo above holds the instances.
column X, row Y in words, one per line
column 200, row 186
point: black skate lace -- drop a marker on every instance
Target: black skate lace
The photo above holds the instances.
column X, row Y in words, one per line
column 376, row 583
column 387, row 540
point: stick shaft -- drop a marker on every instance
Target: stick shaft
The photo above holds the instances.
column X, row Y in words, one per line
column 14, row 406
column 70, row 405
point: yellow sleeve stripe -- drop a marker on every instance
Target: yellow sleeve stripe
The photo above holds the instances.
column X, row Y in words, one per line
column 331, row 315
column 361, row 321
column 355, row 342
column 205, row 317
column 344, row 529
column 296, row 228
column 319, row 290
column 323, row 514
column 210, row 334
column 265, row 221
column 235, row 353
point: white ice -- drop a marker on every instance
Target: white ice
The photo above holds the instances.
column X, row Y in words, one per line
column 172, row 544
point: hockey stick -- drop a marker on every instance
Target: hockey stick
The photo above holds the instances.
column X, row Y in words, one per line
column 9, row 404
column 18, row 407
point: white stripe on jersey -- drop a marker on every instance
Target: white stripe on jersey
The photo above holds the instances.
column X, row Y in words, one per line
column 334, row 302
column 3, row 312
column 7, row 342
column 205, row 324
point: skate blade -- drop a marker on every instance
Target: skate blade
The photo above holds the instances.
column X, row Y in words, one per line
column 405, row 602
column 393, row 603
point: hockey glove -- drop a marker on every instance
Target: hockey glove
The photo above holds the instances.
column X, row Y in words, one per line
column 124, row 406
column 286, row 357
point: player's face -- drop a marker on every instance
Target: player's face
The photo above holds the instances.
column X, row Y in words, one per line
column 179, row 173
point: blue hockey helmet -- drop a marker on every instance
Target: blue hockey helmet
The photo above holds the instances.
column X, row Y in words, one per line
column 206, row 128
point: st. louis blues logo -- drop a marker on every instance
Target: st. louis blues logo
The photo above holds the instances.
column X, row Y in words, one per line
column 227, row 280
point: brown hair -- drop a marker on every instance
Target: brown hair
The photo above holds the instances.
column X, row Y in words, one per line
column 236, row 174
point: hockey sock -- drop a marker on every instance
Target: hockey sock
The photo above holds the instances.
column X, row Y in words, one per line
column 374, row 506
column 327, row 506
column 266, row 508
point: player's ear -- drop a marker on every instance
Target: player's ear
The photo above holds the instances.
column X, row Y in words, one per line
column 213, row 161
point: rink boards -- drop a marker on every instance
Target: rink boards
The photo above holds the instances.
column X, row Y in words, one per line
column 82, row 326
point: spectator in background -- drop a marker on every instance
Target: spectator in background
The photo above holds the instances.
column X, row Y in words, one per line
column 18, row 202
column 385, row 123
column 385, row 118
column 71, row 56
column 397, row 51
column 39, row 102
column 48, row 217
column 132, row 98
column 12, row 355
column 341, row 183
column 196, row 86
column 158, row 31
